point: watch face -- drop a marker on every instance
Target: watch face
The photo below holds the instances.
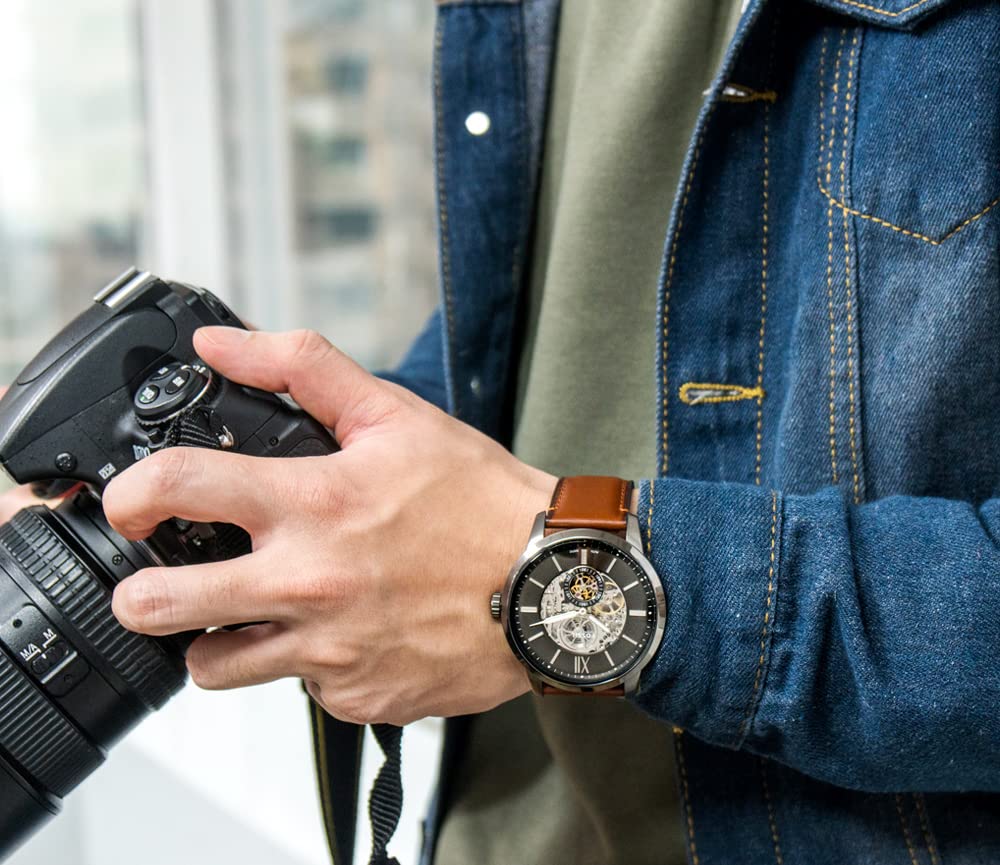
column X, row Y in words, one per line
column 582, row 612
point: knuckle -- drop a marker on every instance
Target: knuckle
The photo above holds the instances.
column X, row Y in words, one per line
column 308, row 346
column 206, row 669
column 144, row 603
column 313, row 588
column 167, row 470
column 319, row 656
column 203, row 673
column 357, row 709
column 378, row 403
column 323, row 493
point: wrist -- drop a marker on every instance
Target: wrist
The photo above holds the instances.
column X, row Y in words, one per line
column 575, row 626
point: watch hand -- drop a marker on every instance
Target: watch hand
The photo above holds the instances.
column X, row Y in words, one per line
column 558, row 617
column 600, row 624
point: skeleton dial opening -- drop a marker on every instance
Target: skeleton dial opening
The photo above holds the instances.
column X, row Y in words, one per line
column 582, row 612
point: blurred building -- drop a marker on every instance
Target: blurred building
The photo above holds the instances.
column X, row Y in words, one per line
column 76, row 207
column 280, row 153
column 72, row 162
column 359, row 78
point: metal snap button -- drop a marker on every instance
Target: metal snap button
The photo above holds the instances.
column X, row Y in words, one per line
column 478, row 123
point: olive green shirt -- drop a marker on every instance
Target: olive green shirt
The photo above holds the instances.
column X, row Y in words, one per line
column 576, row 781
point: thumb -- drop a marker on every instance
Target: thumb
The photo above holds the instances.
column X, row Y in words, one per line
column 334, row 389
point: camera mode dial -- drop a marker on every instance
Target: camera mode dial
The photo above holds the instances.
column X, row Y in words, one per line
column 171, row 389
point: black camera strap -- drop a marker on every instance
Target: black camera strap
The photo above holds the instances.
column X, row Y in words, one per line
column 337, row 747
column 385, row 803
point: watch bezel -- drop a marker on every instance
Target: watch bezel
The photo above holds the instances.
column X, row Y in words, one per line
column 538, row 545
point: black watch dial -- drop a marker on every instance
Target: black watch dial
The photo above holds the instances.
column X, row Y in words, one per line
column 582, row 612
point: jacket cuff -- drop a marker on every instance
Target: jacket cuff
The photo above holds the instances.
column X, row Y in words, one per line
column 717, row 550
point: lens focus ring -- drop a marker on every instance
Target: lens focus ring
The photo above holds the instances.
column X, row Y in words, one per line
column 74, row 590
column 37, row 737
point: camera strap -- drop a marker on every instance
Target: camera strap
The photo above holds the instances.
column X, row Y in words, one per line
column 337, row 748
column 385, row 803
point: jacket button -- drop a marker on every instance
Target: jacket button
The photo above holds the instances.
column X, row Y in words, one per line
column 475, row 385
column 478, row 123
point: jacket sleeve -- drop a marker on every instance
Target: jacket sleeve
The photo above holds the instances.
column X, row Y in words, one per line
column 859, row 644
column 422, row 370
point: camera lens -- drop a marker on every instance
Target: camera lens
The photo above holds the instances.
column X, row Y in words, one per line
column 72, row 679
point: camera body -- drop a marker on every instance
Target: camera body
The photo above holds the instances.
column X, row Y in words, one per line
column 122, row 379
column 117, row 384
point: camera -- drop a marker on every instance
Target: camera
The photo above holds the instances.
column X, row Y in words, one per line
column 118, row 383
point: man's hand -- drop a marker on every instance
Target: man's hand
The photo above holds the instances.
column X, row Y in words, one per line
column 372, row 567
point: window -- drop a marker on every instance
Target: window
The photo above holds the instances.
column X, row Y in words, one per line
column 72, row 163
column 347, row 75
column 337, row 225
column 240, row 145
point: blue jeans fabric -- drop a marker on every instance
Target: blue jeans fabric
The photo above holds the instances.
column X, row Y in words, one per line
column 826, row 521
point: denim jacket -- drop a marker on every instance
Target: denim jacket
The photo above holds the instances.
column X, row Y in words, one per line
column 825, row 516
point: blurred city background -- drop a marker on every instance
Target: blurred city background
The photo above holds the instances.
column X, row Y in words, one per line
column 280, row 153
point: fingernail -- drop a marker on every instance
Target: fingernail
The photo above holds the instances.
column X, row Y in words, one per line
column 224, row 336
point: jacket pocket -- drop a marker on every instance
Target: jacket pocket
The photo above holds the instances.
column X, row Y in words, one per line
column 895, row 14
column 909, row 117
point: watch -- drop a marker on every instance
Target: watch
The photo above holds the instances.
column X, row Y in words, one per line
column 582, row 608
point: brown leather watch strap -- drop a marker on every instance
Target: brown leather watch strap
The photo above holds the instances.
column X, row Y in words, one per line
column 589, row 502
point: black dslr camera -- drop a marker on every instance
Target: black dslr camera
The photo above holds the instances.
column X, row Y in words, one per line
column 118, row 383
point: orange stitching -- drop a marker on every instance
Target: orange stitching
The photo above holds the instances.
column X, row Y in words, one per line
column 739, row 93
column 906, row 231
column 770, row 812
column 918, row 798
column 885, row 12
column 723, row 392
column 686, row 790
column 906, row 831
column 763, row 301
column 767, row 618
column 852, row 419
column 765, row 228
column 557, row 496
column 671, row 261
column 829, row 260
column 839, row 202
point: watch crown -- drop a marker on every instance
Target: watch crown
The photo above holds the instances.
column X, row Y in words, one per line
column 495, row 605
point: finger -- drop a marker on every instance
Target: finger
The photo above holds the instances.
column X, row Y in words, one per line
column 193, row 484
column 160, row 601
column 323, row 380
column 237, row 659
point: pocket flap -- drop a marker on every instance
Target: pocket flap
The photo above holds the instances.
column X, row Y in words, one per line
column 894, row 14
